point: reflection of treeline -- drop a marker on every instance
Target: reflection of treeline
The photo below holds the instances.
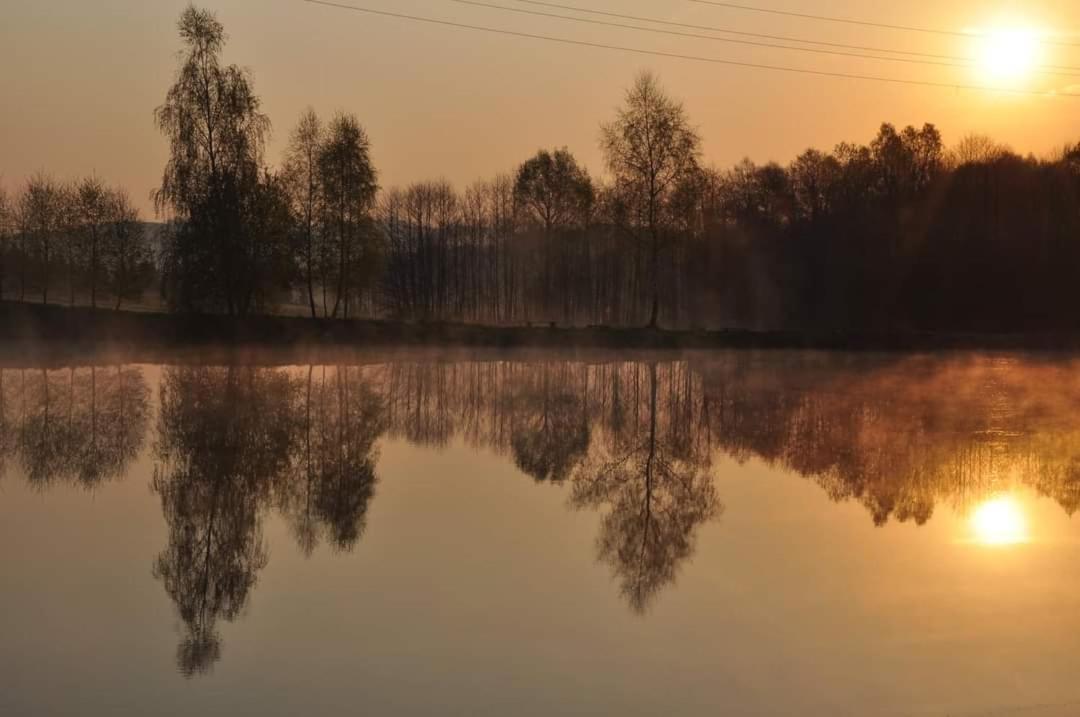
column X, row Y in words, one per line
column 636, row 442
column 899, row 435
column 234, row 443
column 624, row 436
column 902, row 436
column 897, row 233
column 528, row 410
column 81, row 426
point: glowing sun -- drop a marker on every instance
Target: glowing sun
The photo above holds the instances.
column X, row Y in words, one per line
column 999, row 521
column 1007, row 55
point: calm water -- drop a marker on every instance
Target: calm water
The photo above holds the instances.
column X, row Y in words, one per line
column 737, row 533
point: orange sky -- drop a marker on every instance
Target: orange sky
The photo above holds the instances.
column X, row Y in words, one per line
column 80, row 81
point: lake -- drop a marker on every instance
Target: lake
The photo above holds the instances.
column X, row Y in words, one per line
column 760, row 533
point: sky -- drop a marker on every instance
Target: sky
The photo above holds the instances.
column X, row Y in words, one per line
column 80, row 80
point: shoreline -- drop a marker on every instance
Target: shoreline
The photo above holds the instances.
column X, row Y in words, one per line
column 30, row 327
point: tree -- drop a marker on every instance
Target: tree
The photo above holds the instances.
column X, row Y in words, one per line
column 7, row 233
column 43, row 216
column 422, row 225
column 650, row 148
column 301, row 173
column 267, row 254
column 814, row 176
column 557, row 194
column 216, row 132
column 126, row 255
column 93, row 206
column 349, row 184
column 977, row 149
column 907, row 161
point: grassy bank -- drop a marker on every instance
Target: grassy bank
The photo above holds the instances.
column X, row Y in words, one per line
column 24, row 325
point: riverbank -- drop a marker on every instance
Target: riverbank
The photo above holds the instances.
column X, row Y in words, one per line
column 24, row 325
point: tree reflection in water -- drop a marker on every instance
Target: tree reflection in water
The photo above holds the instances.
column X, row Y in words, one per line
column 657, row 491
column 234, row 443
column 553, row 434
column 634, row 441
column 224, row 437
column 327, row 496
column 74, row 426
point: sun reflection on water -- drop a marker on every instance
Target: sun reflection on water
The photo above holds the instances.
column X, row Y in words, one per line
column 999, row 522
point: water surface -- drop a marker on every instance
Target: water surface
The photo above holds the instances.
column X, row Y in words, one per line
column 726, row 533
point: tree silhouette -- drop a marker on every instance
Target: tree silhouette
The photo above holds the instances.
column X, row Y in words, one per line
column 656, row 496
column 302, row 178
column 7, row 236
column 113, row 414
column 84, row 427
column 92, row 210
column 650, row 148
column 556, row 194
column 43, row 216
column 554, row 435
column 328, row 495
column 348, row 183
column 225, row 437
column 216, row 132
column 126, row 255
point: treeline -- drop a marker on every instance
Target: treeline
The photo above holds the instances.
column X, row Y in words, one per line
column 82, row 239
column 898, row 233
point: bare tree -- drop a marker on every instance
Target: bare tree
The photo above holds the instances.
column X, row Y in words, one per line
column 977, row 149
column 93, row 205
column 349, row 184
column 7, row 233
column 126, row 260
column 42, row 219
column 557, row 194
column 650, row 148
column 302, row 178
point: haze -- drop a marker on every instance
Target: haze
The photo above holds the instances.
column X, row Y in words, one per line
column 82, row 80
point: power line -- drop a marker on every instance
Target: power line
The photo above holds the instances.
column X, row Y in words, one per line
column 850, row 21
column 693, row 58
column 782, row 38
column 961, row 64
column 677, row 33
column 1048, row 69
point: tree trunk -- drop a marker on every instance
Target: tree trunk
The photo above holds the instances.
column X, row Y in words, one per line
column 45, row 276
column 655, row 280
column 93, row 269
column 310, row 281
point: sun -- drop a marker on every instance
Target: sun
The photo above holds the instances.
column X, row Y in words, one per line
column 999, row 522
column 1007, row 55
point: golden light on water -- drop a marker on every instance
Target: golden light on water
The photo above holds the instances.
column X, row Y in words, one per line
column 1008, row 56
column 999, row 522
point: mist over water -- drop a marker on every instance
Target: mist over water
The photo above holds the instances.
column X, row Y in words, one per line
column 879, row 534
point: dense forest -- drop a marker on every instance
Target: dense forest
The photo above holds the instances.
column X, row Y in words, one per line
column 900, row 233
